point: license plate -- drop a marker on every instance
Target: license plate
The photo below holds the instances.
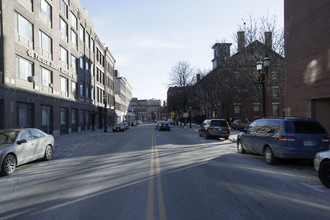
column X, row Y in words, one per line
column 308, row 143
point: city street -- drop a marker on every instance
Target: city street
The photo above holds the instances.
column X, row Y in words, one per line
column 143, row 173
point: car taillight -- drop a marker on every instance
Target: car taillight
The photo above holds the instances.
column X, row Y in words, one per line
column 228, row 129
column 325, row 139
column 287, row 138
column 210, row 128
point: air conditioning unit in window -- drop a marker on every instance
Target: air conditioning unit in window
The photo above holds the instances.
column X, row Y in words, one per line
column 51, row 85
column 31, row 79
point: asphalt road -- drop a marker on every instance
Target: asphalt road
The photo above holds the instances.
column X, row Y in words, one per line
column 148, row 174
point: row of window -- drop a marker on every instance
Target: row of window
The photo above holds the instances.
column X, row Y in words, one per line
column 25, row 117
column 256, row 110
column 24, row 69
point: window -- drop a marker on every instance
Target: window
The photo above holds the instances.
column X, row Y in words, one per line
column 23, row 68
column 63, row 8
column 81, row 92
column 87, row 40
column 36, row 133
column 46, row 10
column 74, row 116
column 256, row 110
column 45, row 42
column 64, row 56
column 81, row 62
column 73, row 20
column 237, row 110
column 74, row 89
column 63, row 116
column 46, row 76
column 46, row 117
column 64, row 84
column 63, row 29
column 73, row 62
column 87, row 65
column 92, row 45
column 275, row 92
column 24, row 115
column 87, row 91
column 74, row 38
column 276, row 111
column 82, row 33
column 24, row 29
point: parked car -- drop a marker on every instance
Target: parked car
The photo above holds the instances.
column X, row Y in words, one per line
column 20, row 146
column 119, row 127
column 283, row 137
column 163, row 125
column 171, row 121
column 239, row 124
column 322, row 166
column 218, row 128
column 139, row 122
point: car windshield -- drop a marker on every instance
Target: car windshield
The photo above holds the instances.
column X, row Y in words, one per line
column 7, row 137
column 120, row 125
column 219, row 123
column 304, row 127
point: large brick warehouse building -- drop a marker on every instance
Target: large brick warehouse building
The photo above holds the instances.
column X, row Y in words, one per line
column 307, row 34
column 55, row 73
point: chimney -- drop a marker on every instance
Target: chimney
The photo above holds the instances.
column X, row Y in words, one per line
column 240, row 41
column 198, row 77
column 268, row 42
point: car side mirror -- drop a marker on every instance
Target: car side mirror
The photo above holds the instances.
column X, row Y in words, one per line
column 22, row 141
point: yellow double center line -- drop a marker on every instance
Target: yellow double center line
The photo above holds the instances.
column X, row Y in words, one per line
column 154, row 163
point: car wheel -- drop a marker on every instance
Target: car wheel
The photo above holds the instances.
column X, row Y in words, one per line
column 48, row 153
column 269, row 156
column 240, row 148
column 8, row 165
column 226, row 138
column 324, row 173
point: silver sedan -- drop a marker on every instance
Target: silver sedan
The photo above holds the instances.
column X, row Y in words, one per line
column 20, row 146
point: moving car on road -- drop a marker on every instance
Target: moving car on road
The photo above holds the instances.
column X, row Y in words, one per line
column 218, row 128
column 322, row 166
column 20, row 146
column 163, row 125
column 119, row 127
column 283, row 137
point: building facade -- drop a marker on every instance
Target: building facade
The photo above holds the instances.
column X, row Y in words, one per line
column 307, row 49
column 154, row 109
column 55, row 73
column 123, row 99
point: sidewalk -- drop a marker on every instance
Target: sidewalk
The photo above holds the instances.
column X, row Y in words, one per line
column 74, row 137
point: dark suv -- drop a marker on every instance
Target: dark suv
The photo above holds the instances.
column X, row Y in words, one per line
column 283, row 137
column 215, row 128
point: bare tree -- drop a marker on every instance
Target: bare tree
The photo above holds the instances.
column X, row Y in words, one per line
column 181, row 74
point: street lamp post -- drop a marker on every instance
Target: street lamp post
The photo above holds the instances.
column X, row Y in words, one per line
column 105, row 112
column 190, row 117
column 262, row 79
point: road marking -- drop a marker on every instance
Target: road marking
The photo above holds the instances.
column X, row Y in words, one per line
column 154, row 161
column 312, row 187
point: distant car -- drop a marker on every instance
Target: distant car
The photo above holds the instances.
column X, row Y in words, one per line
column 171, row 121
column 283, row 137
column 20, row 146
column 126, row 125
column 163, row 125
column 139, row 122
column 239, row 124
column 322, row 166
column 218, row 128
column 119, row 127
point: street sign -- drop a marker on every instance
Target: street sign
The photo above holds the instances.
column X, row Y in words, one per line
column 172, row 114
column 185, row 115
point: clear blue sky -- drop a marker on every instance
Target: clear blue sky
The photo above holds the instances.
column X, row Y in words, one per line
column 148, row 37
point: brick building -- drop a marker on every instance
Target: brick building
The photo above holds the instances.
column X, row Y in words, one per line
column 307, row 49
column 54, row 70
